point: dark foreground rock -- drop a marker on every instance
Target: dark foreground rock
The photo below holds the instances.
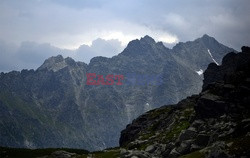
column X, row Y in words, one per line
column 215, row 123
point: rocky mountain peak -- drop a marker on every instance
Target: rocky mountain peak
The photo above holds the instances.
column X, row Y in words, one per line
column 147, row 39
column 55, row 59
column 145, row 46
column 208, row 40
column 206, row 37
column 245, row 49
column 56, row 63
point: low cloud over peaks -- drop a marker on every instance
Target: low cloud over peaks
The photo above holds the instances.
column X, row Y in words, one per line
column 30, row 55
column 99, row 47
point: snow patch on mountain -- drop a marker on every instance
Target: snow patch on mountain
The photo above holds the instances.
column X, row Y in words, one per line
column 212, row 57
column 199, row 72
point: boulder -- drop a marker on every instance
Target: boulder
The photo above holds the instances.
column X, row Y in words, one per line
column 184, row 148
column 202, row 140
column 187, row 134
column 150, row 148
column 212, row 103
column 174, row 153
column 62, row 154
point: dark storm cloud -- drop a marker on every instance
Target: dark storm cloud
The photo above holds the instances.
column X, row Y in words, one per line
column 70, row 24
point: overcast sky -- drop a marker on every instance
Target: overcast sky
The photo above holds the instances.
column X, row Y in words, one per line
column 33, row 30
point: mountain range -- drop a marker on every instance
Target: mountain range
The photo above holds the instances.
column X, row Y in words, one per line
column 54, row 107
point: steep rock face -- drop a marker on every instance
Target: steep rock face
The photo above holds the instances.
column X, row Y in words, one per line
column 40, row 107
column 53, row 106
column 215, row 123
column 233, row 94
column 200, row 52
column 230, row 64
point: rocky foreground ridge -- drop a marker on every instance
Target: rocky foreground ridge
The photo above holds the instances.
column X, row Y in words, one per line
column 215, row 123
